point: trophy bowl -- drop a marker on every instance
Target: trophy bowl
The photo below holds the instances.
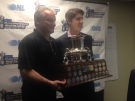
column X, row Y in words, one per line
column 77, row 50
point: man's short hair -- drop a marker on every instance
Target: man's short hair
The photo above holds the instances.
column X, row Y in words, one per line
column 39, row 13
column 71, row 13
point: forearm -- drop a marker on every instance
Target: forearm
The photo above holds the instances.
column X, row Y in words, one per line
column 33, row 76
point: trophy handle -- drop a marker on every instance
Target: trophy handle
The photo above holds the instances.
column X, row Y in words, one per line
column 65, row 56
column 88, row 54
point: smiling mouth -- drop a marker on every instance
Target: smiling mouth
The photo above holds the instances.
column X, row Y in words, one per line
column 81, row 26
column 52, row 27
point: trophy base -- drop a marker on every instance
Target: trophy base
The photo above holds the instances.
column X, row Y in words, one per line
column 83, row 72
column 86, row 81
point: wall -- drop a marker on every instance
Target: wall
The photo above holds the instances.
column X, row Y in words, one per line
column 123, row 15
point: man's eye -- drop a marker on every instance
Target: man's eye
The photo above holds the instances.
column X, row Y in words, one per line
column 79, row 19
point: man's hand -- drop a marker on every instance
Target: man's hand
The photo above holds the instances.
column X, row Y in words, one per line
column 57, row 84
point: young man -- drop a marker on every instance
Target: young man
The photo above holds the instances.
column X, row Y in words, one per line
column 37, row 55
column 74, row 18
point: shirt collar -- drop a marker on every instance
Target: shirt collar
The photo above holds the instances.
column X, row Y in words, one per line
column 40, row 35
column 70, row 35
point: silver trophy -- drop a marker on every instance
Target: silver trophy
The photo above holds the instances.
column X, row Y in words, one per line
column 78, row 66
column 75, row 53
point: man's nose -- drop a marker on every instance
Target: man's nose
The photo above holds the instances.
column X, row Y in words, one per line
column 54, row 23
column 81, row 21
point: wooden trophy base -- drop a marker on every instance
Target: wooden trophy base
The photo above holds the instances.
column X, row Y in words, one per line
column 83, row 72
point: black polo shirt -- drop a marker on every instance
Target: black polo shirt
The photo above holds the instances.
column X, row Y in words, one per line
column 35, row 52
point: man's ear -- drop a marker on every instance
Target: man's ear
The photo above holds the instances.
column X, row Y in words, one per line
column 37, row 22
column 69, row 22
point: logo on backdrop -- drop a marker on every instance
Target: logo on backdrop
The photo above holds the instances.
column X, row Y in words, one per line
column 54, row 8
column 16, row 7
column 93, row 14
column 96, row 28
column 8, row 24
column 10, row 95
column 14, row 42
column 64, row 25
column 96, row 56
column 15, row 79
column 7, row 59
column 98, row 42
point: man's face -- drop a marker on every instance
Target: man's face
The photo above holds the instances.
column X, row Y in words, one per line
column 76, row 23
column 47, row 24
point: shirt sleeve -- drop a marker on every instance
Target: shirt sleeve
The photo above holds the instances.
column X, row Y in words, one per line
column 26, row 54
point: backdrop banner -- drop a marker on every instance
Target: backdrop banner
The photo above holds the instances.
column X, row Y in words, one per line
column 17, row 20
